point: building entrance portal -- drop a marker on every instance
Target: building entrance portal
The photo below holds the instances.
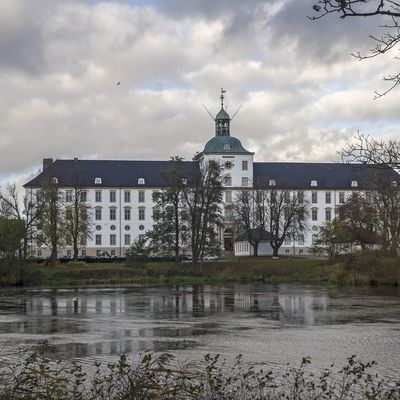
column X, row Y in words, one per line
column 228, row 240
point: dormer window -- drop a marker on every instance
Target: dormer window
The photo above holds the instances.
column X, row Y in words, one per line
column 184, row 181
column 55, row 180
column 227, row 146
column 354, row 184
column 272, row 182
column 141, row 181
column 394, row 183
column 314, row 183
column 97, row 181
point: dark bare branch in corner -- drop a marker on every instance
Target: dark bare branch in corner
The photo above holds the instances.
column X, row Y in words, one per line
column 368, row 8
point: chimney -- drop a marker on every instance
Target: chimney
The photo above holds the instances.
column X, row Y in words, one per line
column 76, row 160
column 47, row 162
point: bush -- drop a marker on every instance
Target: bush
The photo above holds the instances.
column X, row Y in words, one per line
column 150, row 376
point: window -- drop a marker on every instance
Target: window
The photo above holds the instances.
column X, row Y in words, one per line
column 300, row 239
column 245, row 181
column 314, row 183
column 354, row 184
column 245, row 165
column 314, row 197
column 127, row 214
column 68, row 196
column 300, row 196
column 287, row 240
column 301, row 251
column 314, row 214
column 113, row 214
column 227, row 146
column 84, row 196
column 127, row 240
column 97, row 181
column 341, row 197
column 156, row 213
column 98, row 240
column 127, row 228
column 112, row 253
column 141, row 196
column 141, row 227
column 141, row 214
column 113, row 227
column 69, row 253
column 228, row 180
column 113, row 239
column 113, row 196
column 394, row 183
column 272, row 182
column 228, row 196
column 55, row 180
column 314, row 238
column 328, row 197
column 127, row 196
column 287, row 197
column 98, row 253
column 184, row 181
column 98, row 196
column 228, row 214
column 141, row 181
column 155, row 196
column 328, row 215
column 98, row 227
column 83, row 240
column 97, row 214
column 141, row 238
column 39, row 253
column 83, row 252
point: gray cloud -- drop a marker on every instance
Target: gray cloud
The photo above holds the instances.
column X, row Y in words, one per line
column 303, row 96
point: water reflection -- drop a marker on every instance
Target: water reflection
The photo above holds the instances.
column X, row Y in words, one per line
column 236, row 318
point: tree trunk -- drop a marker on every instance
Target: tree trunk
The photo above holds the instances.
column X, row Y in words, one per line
column 54, row 252
column 255, row 250
column 275, row 254
column 76, row 249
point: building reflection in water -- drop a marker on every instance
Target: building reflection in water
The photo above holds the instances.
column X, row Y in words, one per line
column 135, row 319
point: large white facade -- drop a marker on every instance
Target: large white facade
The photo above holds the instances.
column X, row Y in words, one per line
column 120, row 193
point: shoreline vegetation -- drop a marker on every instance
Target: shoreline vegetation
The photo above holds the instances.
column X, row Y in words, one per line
column 39, row 375
column 351, row 270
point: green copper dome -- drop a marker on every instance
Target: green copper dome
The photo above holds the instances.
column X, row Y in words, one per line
column 222, row 115
column 225, row 144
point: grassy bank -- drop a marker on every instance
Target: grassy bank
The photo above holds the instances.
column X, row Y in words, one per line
column 150, row 376
column 232, row 271
column 352, row 270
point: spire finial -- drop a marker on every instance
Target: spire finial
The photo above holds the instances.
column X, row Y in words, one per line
column 222, row 97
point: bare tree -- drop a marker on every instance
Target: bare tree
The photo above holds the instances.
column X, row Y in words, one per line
column 202, row 201
column 378, row 153
column 27, row 211
column 369, row 9
column 77, row 213
column 250, row 215
column 286, row 212
column 51, row 230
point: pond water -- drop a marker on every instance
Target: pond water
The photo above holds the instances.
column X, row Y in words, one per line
column 277, row 324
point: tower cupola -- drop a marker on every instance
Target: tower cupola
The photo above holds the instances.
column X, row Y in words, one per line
column 222, row 119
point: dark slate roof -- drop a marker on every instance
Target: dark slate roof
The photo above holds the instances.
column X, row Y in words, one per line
column 327, row 175
column 254, row 233
column 217, row 145
column 113, row 173
column 122, row 173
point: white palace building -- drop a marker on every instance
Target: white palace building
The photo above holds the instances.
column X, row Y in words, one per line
column 120, row 192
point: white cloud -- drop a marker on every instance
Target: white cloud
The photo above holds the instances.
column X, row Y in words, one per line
column 303, row 95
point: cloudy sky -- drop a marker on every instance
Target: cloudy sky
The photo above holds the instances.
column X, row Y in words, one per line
column 302, row 94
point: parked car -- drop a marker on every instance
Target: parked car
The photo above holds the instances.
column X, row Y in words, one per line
column 210, row 257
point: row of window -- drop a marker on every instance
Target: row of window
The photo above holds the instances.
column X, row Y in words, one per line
column 98, row 213
column 328, row 197
column 69, row 196
column 113, row 239
column 228, row 180
column 99, row 181
column 314, row 214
